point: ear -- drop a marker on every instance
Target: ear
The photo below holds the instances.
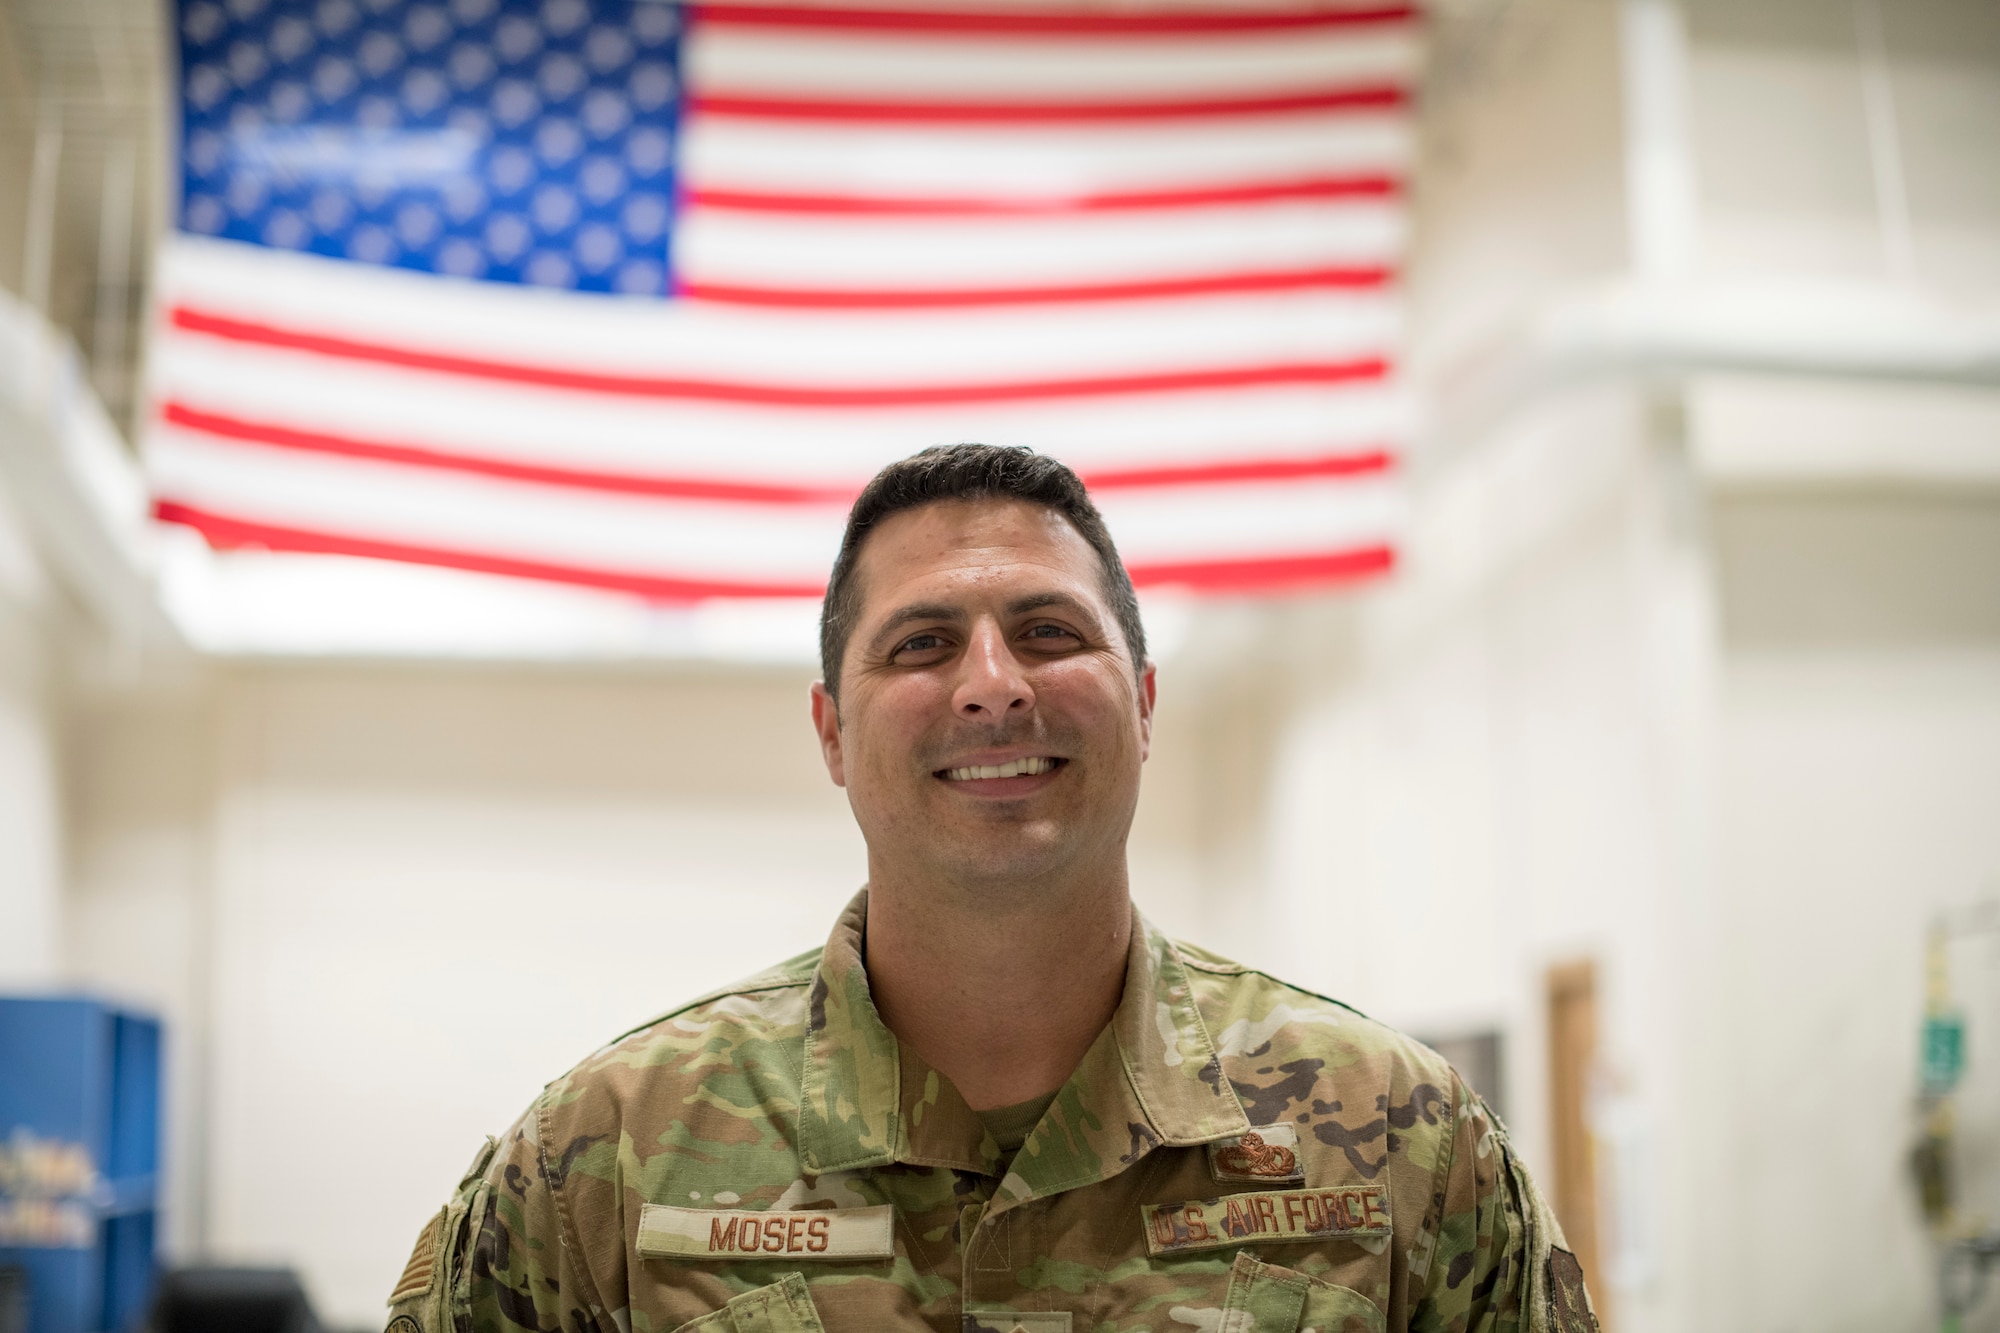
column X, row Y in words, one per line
column 826, row 721
column 1147, row 682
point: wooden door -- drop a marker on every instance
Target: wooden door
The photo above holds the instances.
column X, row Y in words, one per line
column 1572, row 999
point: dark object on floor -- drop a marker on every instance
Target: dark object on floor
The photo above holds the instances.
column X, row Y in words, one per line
column 13, row 1299
column 233, row 1300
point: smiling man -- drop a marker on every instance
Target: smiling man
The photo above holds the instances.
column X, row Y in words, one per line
column 997, row 1099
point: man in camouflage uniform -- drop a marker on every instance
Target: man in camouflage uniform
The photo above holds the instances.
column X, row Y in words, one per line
column 997, row 1099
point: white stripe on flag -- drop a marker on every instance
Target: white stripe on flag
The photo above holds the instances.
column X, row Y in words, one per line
column 815, row 63
column 980, row 162
column 557, row 330
column 912, row 254
column 732, row 443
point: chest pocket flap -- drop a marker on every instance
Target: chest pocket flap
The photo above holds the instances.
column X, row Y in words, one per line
column 783, row 1307
column 1264, row 1298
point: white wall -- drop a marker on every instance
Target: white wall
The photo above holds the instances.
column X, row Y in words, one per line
column 137, row 908
column 1857, row 549
column 1859, row 780
column 1806, row 170
column 30, row 784
column 1519, row 186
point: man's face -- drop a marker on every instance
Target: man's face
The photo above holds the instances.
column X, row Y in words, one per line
column 991, row 723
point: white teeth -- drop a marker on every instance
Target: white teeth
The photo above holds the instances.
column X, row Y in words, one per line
column 1013, row 768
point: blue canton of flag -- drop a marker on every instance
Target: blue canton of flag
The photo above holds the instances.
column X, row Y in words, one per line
column 492, row 139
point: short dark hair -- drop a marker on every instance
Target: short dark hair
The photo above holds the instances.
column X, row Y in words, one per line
column 969, row 472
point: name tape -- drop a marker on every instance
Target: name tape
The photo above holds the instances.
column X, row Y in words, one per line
column 832, row 1234
column 1274, row 1215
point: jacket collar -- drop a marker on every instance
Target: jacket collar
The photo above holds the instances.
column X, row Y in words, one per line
column 1152, row 1077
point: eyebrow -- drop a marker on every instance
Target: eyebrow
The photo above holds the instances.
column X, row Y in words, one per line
column 951, row 615
column 1036, row 601
column 903, row 615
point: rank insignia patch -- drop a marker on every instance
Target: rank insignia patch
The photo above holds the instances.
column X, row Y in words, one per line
column 1268, row 1152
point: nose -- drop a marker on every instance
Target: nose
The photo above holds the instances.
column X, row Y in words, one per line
column 991, row 684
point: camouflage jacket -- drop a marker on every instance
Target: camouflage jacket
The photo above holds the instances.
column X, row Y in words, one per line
column 1233, row 1155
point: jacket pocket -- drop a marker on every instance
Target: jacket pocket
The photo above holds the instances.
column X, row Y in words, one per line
column 1264, row 1298
column 785, row 1306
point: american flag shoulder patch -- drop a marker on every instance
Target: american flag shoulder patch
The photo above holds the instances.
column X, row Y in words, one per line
column 422, row 1268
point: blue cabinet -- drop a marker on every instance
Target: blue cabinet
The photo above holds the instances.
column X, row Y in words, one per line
column 79, row 1160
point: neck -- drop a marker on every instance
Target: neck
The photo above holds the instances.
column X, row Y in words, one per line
column 1002, row 993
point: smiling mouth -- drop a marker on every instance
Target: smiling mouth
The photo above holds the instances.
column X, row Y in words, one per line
column 1013, row 768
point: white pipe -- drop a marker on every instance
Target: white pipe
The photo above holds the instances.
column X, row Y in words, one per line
column 1885, row 153
column 1659, row 161
column 114, row 276
column 38, row 249
column 1642, row 332
column 80, row 491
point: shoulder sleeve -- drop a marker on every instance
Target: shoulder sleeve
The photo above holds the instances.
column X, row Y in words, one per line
column 1500, row 1264
column 497, row 1258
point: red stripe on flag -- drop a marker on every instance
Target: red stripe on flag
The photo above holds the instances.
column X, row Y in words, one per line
column 764, row 107
column 840, row 205
column 1268, row 574
column 1247, row 469
column 1047, row 23
column 1217, row 284
column 228, row 533
column 784, row 395
column 1260, row 574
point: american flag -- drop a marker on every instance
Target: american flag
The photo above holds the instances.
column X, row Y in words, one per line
column 634, row 295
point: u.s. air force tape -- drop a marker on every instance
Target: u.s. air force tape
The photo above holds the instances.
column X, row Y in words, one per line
column 1275, row 1215
column 833, row 1234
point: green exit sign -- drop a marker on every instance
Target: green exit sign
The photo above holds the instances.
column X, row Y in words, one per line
column 1944, row 1052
